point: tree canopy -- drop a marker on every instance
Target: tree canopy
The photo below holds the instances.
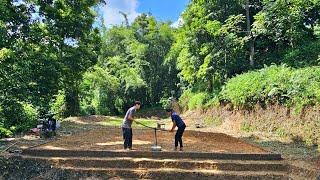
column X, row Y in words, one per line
column 54, row 55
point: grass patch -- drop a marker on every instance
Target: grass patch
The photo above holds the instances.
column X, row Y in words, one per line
column 292, row 150
column 281, row 132
column 213, row 121
column 245, row 127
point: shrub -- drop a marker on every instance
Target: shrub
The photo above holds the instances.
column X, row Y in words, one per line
column 5, row 132
column 30, row 119
column 213, row 102
column 274, row 85
column 58, row 105
column 184, row 99
column 119, row 104
column 197, row 100
column 297, row 57
column 20, row 115
column 88, row 110
column 165, row 102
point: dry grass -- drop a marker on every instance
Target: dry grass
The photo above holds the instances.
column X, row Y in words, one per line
column 276, row 128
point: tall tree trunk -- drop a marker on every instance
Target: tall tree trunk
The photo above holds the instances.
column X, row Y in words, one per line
column 251, row 54
column 248, row 16
column 225, row 65
column 251, row 58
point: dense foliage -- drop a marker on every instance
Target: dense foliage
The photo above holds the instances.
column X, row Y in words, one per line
column 275, row 85
column 55, row 56
column 214, row 43
column 131, row 67
column 45, row 46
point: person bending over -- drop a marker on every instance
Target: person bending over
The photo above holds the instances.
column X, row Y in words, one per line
column 177, row 122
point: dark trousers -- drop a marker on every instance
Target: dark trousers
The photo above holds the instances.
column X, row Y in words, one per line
column 127, row 137
column 178, row 137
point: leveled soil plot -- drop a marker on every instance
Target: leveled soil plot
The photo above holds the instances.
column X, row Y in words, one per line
column 110, row 138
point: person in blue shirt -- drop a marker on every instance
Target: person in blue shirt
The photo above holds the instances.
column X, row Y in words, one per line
column 177, row 122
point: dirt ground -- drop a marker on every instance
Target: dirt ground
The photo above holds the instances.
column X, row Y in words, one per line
column 110, row 138
column 86, row 133
column 296, row 152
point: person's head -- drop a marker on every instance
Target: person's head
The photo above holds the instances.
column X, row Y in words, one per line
column 169, row 111
column 137, row 104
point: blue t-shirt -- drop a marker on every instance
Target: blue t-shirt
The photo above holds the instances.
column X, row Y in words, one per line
column 177, row 119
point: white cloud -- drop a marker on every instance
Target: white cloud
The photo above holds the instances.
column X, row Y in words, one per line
column 111, row 11
column 177, row 23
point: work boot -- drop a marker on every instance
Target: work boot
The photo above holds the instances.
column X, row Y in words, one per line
column 181, row 148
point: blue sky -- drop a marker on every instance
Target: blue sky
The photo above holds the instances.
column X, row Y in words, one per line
column 163, row 10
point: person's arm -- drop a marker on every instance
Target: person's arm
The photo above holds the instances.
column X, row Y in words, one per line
column 173, row 126
column 131, row 117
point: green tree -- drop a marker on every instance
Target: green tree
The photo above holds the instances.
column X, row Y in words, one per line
column 285, row 26
column 76, row 42
column 135, row 56
column 18, row 49
column 45, row 46
column 209, row 46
